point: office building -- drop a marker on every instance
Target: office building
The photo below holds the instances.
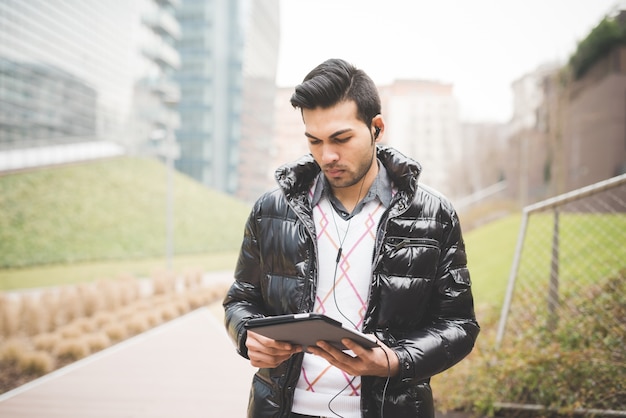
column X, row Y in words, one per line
column 423, row 122
column 228, row 55
column 81, row 71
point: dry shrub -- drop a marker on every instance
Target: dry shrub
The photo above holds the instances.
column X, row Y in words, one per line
column 129, row 289
column 71, row 331
column 36, row 362
column 153, row 316
column 169, row 311
column 113, row 293
column 137, row 324
column 9, row 316
column 46, row 341
column 90, row 299
column 182, row 305
column 86, row 325
column 196, row 299
column 97, row 341
column 49, row 302
column 102, row 318
column 72, row 348
column 116, row 331
column 163, row 282
column 140, row 305
column 32, row 315
column 125, row 313
column 192, row 279
column 70, row 307
column 12, row 349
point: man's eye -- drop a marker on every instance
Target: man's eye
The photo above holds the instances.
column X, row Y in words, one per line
column 342, row 140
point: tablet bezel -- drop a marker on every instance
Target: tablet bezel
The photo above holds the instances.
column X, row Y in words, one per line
column 306, row 329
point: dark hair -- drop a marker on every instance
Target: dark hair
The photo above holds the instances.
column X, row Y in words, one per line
column 335, row 81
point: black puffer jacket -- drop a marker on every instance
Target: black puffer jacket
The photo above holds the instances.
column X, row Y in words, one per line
column 420, row 302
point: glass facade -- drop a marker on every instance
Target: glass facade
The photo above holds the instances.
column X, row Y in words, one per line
column 65, row 70
column 261, row 27
column 223, row 55
column 210, row 82
column 86, row 70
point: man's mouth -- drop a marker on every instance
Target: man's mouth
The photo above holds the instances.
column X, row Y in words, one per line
column 334, row 172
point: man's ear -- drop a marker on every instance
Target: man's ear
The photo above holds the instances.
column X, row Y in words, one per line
column 379, row 127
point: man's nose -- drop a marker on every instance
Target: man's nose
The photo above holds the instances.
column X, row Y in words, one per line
column 329, row 154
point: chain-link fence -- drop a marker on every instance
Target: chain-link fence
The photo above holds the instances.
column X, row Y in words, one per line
column 568, row 280
column 569, row 248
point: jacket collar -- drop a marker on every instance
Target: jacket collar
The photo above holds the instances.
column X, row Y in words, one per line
column 297, row 177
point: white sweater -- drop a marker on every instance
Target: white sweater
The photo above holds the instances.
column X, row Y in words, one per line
column 342, row 294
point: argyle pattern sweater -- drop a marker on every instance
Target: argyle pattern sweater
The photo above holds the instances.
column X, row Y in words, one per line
column 342, row 292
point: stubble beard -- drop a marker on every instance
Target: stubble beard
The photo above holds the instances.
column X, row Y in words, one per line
column 353, row 178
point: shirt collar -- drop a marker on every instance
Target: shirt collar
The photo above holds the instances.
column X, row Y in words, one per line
column 380, row 189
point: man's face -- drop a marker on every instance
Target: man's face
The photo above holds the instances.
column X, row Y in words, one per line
column 341, row 144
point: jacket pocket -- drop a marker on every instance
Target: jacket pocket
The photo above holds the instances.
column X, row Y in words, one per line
column 405, row 279
column 411, row 257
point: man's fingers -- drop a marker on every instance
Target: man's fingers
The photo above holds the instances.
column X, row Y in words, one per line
column 270, row 343
column 379, row 361
column 266, row 352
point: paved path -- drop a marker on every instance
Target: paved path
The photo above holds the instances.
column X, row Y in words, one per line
column 185, row 368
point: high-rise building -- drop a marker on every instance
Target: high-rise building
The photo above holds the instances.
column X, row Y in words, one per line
column 228, row 55
column 260, row 60
column 423, row 122
column 210, row 81
column 155, row 97
column 78, row 71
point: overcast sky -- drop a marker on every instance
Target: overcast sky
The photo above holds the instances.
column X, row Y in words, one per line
column 480, row 46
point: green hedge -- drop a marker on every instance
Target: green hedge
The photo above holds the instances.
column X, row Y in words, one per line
column 604, row 37
column 562, row 370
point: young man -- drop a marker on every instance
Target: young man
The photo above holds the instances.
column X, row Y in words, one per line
column 350, row 233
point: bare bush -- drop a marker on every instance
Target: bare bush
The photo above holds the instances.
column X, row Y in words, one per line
column 163, row 282
column 116, row 331
column 32, row 315
column 138, row 323
column 40, row 330
column 90, row 298
column 49, row 302
column 72, row 349
column 9, row 316
column 46, row 341
column 36, row 362
column 97, row 341
column 12, row 349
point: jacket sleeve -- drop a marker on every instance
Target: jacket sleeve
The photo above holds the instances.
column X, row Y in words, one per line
column 452, row 328
column 243, row 300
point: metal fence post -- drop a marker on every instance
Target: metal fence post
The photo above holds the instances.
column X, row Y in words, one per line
column 512, row 277
column 553, row 286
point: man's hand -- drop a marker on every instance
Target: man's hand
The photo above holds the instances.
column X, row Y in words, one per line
column 265, row 352
column 366, row 362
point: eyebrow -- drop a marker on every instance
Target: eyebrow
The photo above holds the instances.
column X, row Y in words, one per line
column 333, row 135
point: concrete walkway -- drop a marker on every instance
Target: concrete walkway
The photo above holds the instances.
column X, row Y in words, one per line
column 187, row 367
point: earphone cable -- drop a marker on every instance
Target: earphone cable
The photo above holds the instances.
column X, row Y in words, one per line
column 340, row 250
column 382, row 403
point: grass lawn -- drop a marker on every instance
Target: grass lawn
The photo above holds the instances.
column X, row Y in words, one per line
column 62, row 274
column 110, row 210
column 490, row 251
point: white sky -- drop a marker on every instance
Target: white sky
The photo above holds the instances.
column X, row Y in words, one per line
column 480, row 46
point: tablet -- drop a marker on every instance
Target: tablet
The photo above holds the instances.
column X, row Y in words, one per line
column 306, row 329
